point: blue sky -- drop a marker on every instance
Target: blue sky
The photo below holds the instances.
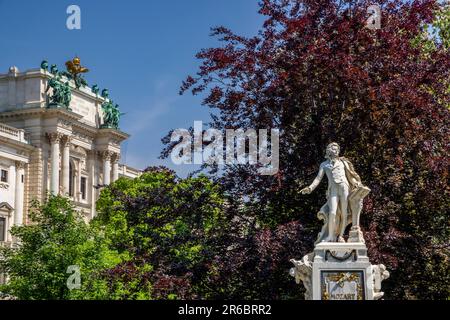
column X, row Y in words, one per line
column 140, row 50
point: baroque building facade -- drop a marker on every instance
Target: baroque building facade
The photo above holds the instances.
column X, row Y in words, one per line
column 51, row 145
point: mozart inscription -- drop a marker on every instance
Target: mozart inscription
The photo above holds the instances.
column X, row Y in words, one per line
column 338, row 285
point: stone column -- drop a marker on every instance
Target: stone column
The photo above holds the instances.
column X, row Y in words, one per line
column 65, row 164
column 106, row 167
column 92, row 181
column 54, row 142
column 115, row 167
column 19, row 193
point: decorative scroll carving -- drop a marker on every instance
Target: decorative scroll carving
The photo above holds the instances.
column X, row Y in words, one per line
column 303, row 272
column 20, row 164
column 66, row 140
column 54, row 137
column 106, row 155
column 379, row 274
column 115, row 158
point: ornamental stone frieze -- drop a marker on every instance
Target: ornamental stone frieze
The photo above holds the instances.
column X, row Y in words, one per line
column 65, row 124
column 82, row 137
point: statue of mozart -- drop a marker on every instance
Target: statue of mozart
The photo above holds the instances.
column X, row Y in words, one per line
column 345, row 196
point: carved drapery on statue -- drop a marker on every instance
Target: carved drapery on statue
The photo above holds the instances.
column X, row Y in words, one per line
column 355, row 203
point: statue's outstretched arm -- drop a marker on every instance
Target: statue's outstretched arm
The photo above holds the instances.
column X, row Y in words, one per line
column 315, row 183
column 317, row 180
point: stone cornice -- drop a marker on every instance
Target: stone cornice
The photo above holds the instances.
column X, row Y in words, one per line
column 113, row 133
column 85, row 129
column 69, row 116
column 43, row 112
column 17, row 144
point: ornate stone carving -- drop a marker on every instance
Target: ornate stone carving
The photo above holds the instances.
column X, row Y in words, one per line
column 106, row 155
column 115, row 158
column 20, row 164
column 303, row 272
column 66, row 140
column 356, row 235
column 379, row 274
column 54, row 137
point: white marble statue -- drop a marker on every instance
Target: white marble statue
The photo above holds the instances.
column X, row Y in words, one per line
column 344, row 197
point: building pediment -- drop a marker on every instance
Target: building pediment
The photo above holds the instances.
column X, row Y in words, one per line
column 6, row 207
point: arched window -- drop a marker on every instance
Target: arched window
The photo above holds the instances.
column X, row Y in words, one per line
column 5, row 216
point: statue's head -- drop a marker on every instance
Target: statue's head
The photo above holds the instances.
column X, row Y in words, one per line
column 332, row 150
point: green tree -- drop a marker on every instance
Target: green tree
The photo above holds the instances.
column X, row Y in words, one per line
column 56, row 238
column 169, row 226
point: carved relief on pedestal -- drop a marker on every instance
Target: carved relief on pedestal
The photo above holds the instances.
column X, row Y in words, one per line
column 379, row 274
column 303, row 272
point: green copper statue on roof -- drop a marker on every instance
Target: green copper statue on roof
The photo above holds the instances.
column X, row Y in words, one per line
column 111, row 115
column 61, row 93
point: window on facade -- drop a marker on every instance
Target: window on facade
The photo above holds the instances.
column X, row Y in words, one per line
column 2, row 229
column 4, row 176
column 71, row 173
column 83, row 188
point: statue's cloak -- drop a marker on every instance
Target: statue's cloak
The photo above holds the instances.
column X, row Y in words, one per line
column 357, row 192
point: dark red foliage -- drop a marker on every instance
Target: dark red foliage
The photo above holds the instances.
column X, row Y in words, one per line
column 319, row 75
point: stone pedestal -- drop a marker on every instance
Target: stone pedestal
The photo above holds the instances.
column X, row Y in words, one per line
column 339, row 271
